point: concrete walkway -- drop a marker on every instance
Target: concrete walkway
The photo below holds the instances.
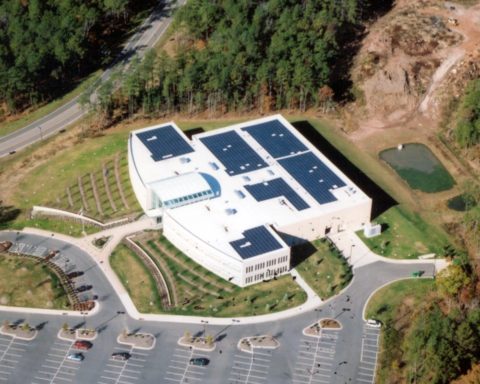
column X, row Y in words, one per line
column 356, row 252
column 359, row 255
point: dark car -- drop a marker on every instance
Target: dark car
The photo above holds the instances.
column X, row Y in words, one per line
column 122, row 356
column 82, row 344
column 200, row 361
column 74, row 274
column 83, row 288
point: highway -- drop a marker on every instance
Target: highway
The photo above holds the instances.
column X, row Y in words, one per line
column 148, row 33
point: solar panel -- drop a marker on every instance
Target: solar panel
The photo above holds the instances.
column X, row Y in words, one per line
column 256, row 241
column 276, row 188
column 233, row 152
column 313, row 175
column 164, row 143
column 277, row 139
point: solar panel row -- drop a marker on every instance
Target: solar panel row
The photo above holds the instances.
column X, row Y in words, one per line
column 164, row 143
column 313, row 175
column 277, row 140
column 256, row 241
column 276, row 188
column 233, row 152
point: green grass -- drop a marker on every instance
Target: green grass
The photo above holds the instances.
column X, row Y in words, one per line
column 405, row 235
column 39, row 288
column 202, row 293
column 13, row 125
column 136, row 279
column 65, row 227
column 325, row 271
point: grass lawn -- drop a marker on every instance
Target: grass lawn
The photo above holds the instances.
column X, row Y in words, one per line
column 396, row 305
column 25, row 119
column 39, row 288
column 199, row 291
column 136, row 278
column 51, row 224
column 405, row 235
column 325, row 271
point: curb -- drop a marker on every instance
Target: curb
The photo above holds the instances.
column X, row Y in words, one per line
column 133, row 345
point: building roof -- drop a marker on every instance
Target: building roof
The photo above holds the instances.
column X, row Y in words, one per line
column 263, row 173
column 176, row 187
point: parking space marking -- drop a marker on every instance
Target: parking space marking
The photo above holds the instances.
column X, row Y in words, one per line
column 368, row 355
column 10, row 354
column 251, row 368
column 315, row 357
column 56, row 366
column 124, row 372
column 181, row 371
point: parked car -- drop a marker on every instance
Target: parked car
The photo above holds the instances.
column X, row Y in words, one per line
column 82, row 344
column 74, row 274
column 200, row 361
column 75, row 356
column 374, row 323
column 122, row 356
column 83, row 288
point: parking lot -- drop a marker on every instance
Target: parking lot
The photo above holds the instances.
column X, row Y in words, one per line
column 11, row 351
column 315, row 360
column 56, row 368
column 250, row 368
column 127, row 371
column 369, row 353
column 181, row 371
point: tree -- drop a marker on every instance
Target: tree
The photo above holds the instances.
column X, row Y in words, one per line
column 451, row 279
column 8, row 213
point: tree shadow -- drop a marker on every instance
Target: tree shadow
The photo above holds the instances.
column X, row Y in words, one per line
column 8, row 213
column 381, row 200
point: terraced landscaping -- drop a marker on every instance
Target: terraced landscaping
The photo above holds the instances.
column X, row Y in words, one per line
column 196, row 291
column 104, row 194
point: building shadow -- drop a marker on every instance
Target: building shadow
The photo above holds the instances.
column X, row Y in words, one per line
column 381, row 200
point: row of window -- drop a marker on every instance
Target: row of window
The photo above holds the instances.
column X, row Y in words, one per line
column 270, row 273
column 183, row 199
column 271, row 262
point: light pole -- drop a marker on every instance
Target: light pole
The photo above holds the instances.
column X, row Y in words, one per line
column 41, row 132
column 83, row 222
column 204, row 322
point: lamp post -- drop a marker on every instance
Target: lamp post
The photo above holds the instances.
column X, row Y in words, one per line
column 204, row 322
column 41, row 132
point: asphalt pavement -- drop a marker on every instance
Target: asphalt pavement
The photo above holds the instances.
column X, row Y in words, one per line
column 344, row 356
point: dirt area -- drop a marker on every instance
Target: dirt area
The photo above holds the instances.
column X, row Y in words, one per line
column 413, row 60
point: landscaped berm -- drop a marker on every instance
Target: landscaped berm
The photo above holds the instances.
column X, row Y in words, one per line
column 419, row 167
column 192, row 289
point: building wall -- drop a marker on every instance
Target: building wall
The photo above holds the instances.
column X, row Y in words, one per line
column 351, row 218
column 137, row 184
column 223, row 265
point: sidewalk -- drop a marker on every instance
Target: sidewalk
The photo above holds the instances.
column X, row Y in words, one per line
column 356, row 252
column 359, row 255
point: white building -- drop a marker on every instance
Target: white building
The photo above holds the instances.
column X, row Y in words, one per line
column 235, row 199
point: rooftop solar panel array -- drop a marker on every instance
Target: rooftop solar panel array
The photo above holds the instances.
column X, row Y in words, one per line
column 233, row 152
column 276, row 188
column 313, row 175
column 256, row 241
column 164, row 143
column 277, row 140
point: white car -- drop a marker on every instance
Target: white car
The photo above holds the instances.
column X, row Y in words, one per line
column 374, row 323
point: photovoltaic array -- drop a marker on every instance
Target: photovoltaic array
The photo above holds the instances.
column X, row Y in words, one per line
column 256, row 241
column 164, row 142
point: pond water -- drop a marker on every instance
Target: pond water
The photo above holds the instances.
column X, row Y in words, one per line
column 419, row 167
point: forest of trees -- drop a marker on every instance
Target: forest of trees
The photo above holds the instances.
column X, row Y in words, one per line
column 242, row 55
column 45, row 45
column 467, row 133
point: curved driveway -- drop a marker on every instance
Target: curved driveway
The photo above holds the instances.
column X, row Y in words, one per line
column 147, row 35
column 340, row 357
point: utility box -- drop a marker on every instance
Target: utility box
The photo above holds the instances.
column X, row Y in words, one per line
column 372, row 230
